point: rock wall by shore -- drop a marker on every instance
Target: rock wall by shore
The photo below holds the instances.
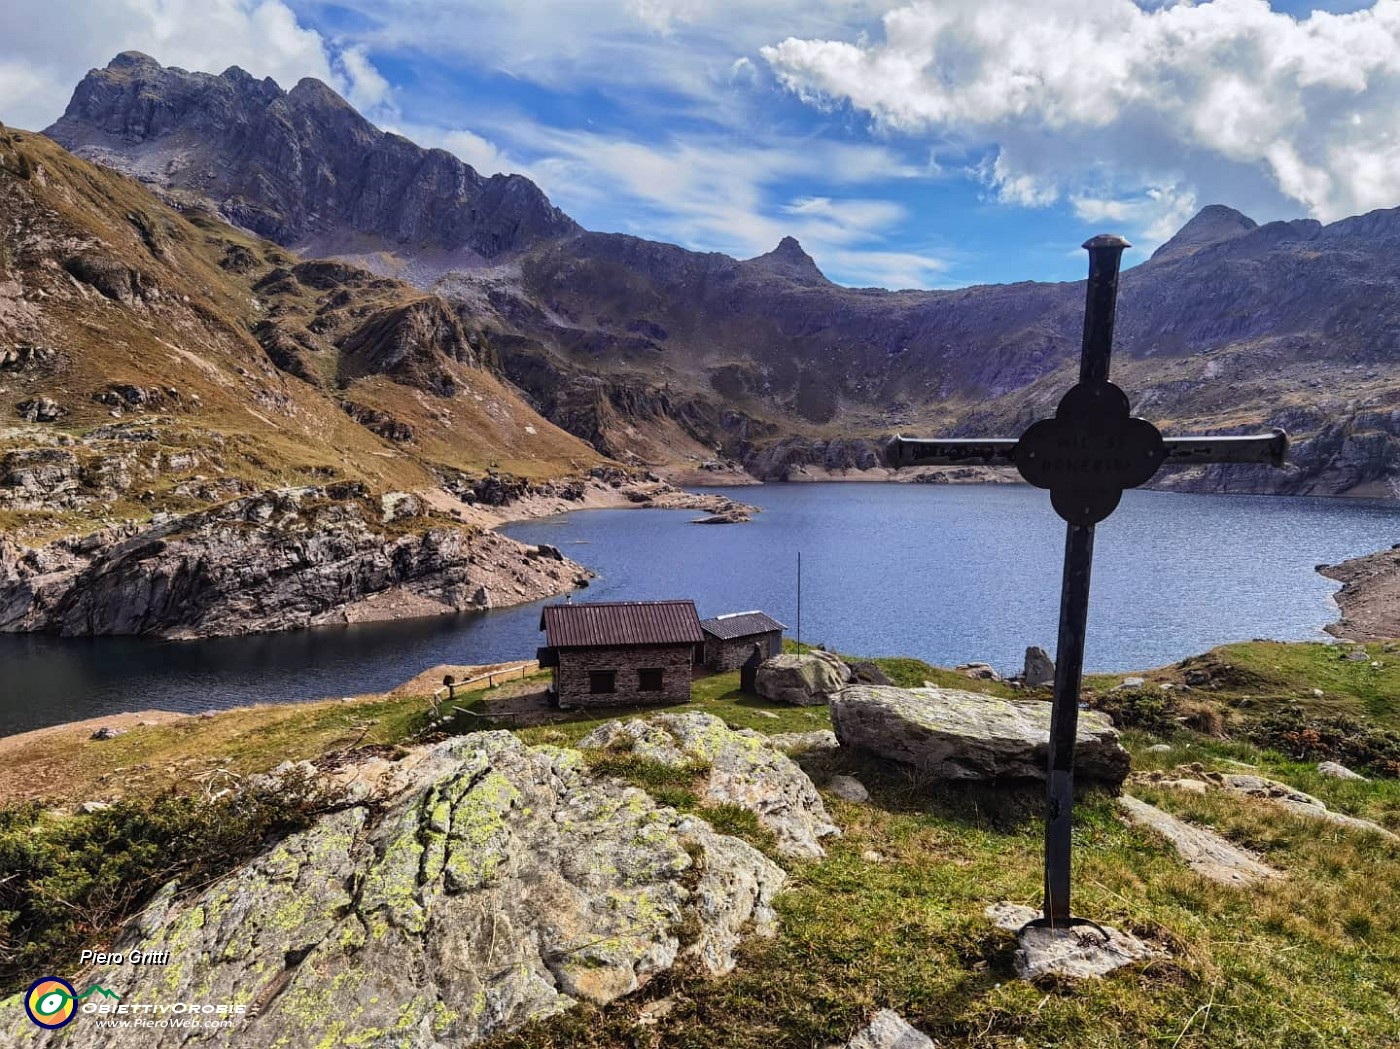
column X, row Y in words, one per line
column 278, row 560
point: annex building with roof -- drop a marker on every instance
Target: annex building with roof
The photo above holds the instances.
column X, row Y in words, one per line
column 730, row 640
column 622, row 653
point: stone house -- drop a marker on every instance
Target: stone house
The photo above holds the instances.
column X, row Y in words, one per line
column 730, row 639
column 624, row 653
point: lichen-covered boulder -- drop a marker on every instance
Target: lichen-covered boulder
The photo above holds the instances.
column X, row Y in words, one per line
column 951, row 734
column 508, row 883
column 744, row 768
column 803, row 680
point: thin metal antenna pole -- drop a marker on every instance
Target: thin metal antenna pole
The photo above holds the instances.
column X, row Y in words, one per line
column 799, row 599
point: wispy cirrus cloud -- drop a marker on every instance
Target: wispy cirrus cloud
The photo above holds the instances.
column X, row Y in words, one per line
column 704, row 192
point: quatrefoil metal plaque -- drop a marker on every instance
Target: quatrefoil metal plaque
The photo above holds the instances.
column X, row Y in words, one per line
column 1090, row 452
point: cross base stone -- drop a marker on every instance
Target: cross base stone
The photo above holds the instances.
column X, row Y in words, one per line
column 1080, row 951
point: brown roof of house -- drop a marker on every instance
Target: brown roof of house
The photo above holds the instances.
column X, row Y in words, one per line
column 587, row 625
column 740, row 624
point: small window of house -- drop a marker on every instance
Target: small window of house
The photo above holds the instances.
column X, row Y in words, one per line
column 600, row 681
column 649, row 680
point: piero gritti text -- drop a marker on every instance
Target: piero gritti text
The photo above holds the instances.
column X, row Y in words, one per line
column 126, row 958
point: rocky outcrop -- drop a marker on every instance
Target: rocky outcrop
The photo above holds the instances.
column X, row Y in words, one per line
column 803, row 680
column 279, row 560
column 742, row 768
column 950, row 734
column 1369, row 597
column 1297, row 802
column 506, row 884
column 1198, row 779
column 1204, row 851
column 1039, row 668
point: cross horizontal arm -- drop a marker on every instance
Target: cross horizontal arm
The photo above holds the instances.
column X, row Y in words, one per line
column 1266, row 449
column 923, row 451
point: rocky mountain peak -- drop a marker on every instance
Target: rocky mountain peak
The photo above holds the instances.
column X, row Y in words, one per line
column 133, row 60
column 312, row 92
column 300, row 167
column 1213, row 224
column 789, row 259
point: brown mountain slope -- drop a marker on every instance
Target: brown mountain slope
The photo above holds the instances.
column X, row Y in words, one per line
column 126, row 325
column 202, row 434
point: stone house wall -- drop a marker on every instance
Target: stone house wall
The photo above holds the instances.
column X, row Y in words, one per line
column 572, row 678
column 732, row 654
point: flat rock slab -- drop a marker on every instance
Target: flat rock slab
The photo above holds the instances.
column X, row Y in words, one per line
column 889, row 1030
column 1204, row 851
column 957, row 735
column 508, row 884
column 1078, row 952
column 818, row 741
column 746, row 769
column 1254, row 786
column 1298, row 803
column 1337, row 770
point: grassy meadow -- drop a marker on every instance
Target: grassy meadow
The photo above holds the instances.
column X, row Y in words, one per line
column 893, row 916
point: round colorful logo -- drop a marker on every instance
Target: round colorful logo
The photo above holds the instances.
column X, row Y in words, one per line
column 51, row 1002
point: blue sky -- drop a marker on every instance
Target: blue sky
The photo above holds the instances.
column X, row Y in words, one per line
column 923, row 143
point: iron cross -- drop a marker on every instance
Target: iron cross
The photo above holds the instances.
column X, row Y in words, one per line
column 1086, row 455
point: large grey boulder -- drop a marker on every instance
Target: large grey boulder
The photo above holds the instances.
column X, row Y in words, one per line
column 744, row 768
column 952, row 734
column 802, row 680
column 506, row 884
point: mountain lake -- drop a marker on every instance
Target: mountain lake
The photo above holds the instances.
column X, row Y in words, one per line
column 947, row 573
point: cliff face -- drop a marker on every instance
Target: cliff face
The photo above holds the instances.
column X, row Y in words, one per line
column 277, row 560
column 296, row 165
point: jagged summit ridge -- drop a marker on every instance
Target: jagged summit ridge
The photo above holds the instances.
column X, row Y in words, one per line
column 299, row 167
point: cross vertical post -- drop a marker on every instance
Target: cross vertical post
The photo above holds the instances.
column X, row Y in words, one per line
column 1100, row 301
column 1087, row 455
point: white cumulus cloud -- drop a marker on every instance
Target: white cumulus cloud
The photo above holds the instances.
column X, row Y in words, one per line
column 1157, row 105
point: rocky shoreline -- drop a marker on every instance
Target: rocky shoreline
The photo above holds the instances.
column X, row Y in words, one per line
column 292, row 558
column 1370, row 596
